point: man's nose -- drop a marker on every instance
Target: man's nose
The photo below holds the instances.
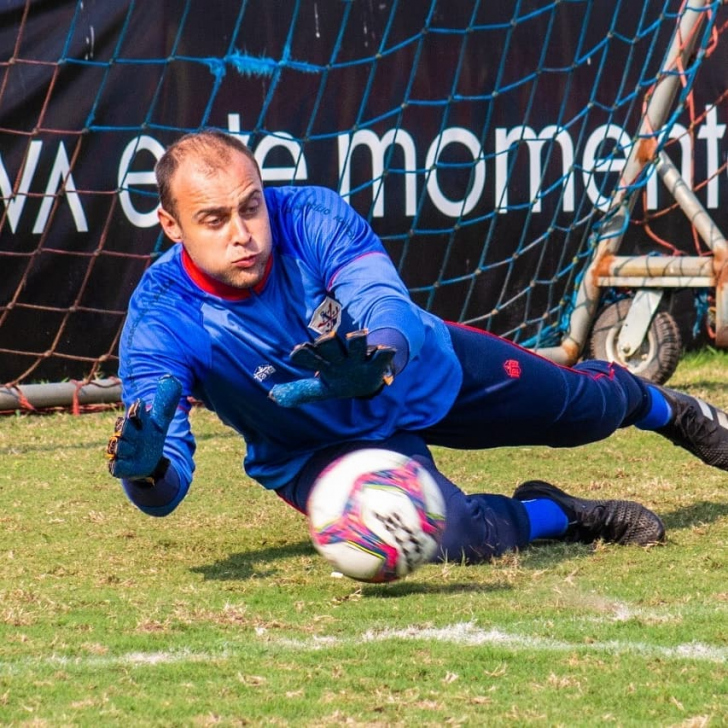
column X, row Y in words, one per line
column 241, row 233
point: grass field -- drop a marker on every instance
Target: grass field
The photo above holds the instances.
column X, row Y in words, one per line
column 223, row 614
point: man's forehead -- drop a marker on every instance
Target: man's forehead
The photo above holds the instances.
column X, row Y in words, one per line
column 196, row 176
column 213, row 161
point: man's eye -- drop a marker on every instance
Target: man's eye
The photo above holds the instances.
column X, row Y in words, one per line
column 251, row 209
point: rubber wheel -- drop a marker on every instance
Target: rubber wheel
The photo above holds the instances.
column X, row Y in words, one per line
column 658, row 355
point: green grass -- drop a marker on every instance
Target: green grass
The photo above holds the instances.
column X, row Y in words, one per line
column 223, row 614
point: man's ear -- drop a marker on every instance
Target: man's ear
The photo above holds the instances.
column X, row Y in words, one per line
column 169, row 225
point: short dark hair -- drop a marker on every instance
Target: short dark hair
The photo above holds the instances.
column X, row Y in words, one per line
column 211, row 146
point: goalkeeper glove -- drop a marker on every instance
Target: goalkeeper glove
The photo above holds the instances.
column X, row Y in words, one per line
column 135, row 449
column 344, row 368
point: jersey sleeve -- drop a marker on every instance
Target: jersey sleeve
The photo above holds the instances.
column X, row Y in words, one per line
column 149, row 349
column 371, row 289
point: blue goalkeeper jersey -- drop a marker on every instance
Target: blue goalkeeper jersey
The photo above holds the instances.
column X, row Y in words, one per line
column 328, row 272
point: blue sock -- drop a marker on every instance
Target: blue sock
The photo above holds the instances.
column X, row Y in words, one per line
column 660, row 412
column 546, row 517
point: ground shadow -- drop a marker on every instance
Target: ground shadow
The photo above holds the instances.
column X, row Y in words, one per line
column 247, row 564
column 408, row 587
column 260, row 563
column 694, row 514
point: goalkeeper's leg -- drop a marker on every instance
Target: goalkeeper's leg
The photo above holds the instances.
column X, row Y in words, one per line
column 478, row 527
column 511, row 396
column 484, row 525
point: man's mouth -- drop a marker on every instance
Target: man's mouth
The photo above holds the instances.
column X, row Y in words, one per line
column 247, row 262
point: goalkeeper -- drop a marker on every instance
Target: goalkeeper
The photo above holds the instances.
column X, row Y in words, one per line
column 280, row 310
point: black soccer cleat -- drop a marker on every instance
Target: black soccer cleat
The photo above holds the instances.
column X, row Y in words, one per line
column 696, row 426
column 614, row 521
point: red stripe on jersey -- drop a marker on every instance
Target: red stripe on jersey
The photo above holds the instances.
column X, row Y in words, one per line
column 217, row 288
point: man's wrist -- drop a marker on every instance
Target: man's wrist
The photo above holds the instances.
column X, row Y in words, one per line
column 155, row 476
column 392, row 339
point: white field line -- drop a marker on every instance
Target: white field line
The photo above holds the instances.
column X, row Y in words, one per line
column 466, row 633
column 463, row 633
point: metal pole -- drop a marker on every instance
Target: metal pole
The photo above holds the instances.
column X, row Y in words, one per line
column 710, row 233
column 61, row 394
column 656, row 265
column 691, row 205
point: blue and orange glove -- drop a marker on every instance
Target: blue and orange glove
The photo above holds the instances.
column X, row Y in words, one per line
column 135, row 449
column 344, row 368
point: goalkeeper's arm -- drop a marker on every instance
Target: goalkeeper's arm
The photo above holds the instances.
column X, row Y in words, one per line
column 389, row 338
column 371, row 290
column 342, row 368
column 136, row 452
column 159, row 499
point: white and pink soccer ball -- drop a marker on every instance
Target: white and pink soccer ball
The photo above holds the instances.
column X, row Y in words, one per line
column 376, row 515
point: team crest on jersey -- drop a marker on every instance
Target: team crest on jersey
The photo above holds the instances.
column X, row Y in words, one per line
column 327, row 317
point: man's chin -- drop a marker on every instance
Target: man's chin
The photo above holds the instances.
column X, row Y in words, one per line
column 248, row 279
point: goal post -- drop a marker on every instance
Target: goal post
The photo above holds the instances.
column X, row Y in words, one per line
column 646, row 153
column 524, row 163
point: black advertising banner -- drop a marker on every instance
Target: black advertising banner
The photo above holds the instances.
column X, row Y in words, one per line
column 481, row 141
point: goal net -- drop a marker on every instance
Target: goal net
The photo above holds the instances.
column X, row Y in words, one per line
column 483, row 141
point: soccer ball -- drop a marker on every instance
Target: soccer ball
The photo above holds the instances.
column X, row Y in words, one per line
column 376, row 515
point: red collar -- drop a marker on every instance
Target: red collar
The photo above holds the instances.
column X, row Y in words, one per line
column 217, row 288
